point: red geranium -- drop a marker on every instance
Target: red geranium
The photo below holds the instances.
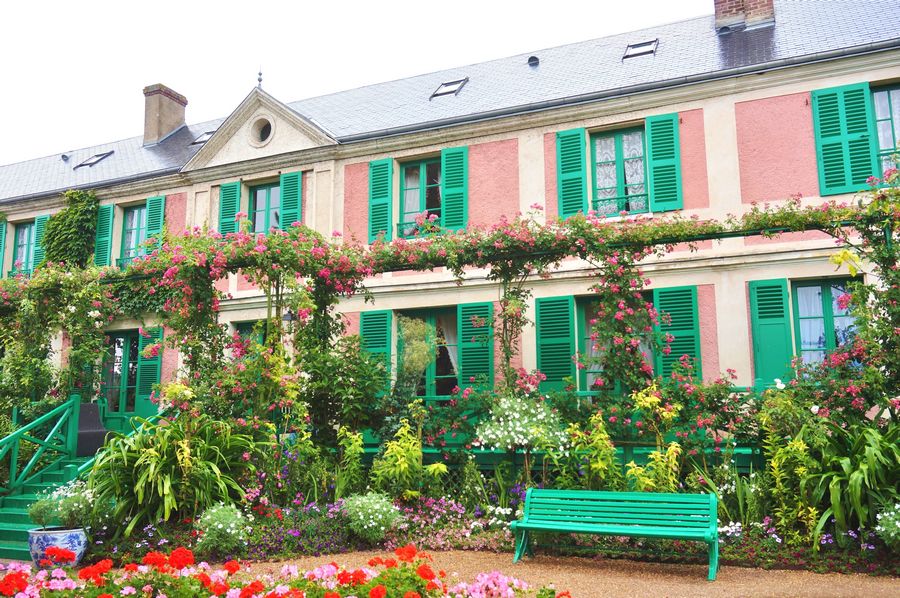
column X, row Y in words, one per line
column 254, row 588
column 425, row 572
column 412, row 594
column 60, row 555
column 232, row 567
column 155, row 559
column 219, row 588
column 181, row 557
column 378, row 591
column 332, row 595
column 13, row 583
column 406, row 553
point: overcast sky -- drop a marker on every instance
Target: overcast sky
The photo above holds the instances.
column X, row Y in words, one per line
column 73, row 71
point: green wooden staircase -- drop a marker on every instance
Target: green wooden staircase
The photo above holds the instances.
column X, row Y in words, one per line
column 14, row 521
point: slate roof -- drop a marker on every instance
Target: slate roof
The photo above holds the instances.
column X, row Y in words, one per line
column 689, row 50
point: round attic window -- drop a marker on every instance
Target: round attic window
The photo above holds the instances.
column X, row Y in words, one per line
column 261, row 131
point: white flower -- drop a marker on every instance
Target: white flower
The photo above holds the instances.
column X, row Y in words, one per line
column 72, row 309
column 779, row 384
column 814, row 409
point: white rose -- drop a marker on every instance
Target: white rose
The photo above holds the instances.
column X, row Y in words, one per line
column 814, row 409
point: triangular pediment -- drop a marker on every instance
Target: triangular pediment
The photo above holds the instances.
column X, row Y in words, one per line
column 259, row 127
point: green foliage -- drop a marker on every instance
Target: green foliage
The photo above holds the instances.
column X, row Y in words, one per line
column 69, row 236
column 522, row 423
column 860, row 469
column 42, row 512
column 398, row 471
column 73, row 505
column 349, row 476
column 175, row 468
column 888, row 526
column 416, row 344
column 370, row 516
column 589, row 461
column 661, row 474
column 224, row 531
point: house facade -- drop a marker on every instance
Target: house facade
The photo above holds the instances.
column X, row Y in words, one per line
column 759, row 102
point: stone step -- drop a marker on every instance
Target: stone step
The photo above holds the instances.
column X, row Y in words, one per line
column 11, row 515
column 14, row 532
column 17, row 551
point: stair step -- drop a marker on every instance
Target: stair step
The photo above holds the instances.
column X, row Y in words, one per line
column 53, row 477
column 15, row 551
column 18, row 501
column 14, row 532
column 38, row 487
column 13, row 515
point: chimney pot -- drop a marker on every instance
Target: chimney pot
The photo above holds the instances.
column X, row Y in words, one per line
column 163, row 112
column 743, row 13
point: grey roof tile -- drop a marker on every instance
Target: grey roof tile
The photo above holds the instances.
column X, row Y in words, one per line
column 690, row 48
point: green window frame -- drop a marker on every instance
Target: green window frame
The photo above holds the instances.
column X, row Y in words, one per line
column 420, row 192
column 246, row 330
column 886, row 102
column 134, row 234
column 619, row 172
column 583, row 315
column 120, row 372
column 265, row 207
column 23, row 249
column 820, row 324
column 442, row 374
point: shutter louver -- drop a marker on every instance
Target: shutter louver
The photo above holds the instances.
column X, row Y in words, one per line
column 571, row 173
column 375, row 330
column 156, row 214
column 148, row 371
column 381, row 182
column 291, row 199
column 454, row 188
column 771, row 328
column 229, row 206
column 555, row 341
column 103, row 236
column 476, row 344
column 40, row 226
column 845, row 137
column 664, row 163
column 680, row 303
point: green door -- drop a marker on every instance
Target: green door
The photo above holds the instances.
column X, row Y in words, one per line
column 120, row 384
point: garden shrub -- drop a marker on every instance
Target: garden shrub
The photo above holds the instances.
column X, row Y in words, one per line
column 349, row 475
column 888, row 527
column 589, row 461
column 223, row 531
column 370, row 516
column 69, row 235
column 177, row 467
column 398, row 470
column 660, row 474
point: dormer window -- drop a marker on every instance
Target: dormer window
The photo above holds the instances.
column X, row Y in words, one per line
column 203, row 138
column 641, row 49
column 94, row 159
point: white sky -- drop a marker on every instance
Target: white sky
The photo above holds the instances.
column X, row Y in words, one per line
column 73, row 71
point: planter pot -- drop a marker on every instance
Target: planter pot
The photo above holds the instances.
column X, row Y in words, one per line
column 39, row 540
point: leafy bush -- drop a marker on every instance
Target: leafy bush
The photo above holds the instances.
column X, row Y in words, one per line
column 888, row 528
column 589, row 462
column 398, row 470
column 74, row 505
column 179, row 467
column 224, row 530
column 349, row 476
column 69, row 236
column 370, row 516
column 661, row 472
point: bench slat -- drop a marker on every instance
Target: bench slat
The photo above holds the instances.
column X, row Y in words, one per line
column 618, row 530
column 614, row 507
column 636, row 521
column 540, row 493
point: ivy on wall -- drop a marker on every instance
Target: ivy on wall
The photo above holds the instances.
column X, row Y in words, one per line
column 69, row 237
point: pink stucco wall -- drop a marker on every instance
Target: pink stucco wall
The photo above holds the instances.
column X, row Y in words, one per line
column 493, row 182
column 709, row 335
column 169, row 360
column 356, row 201
column 65, row 345
column 243, row 284
column 692, row 142
column 176, row 213
column 352, row 321
column 810, row 235
column 776, row 148
column 700, row 245
column 550, row 193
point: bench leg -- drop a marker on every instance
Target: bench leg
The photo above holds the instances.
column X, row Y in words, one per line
column 528, row 548
column 522, row 545
column 713, row 560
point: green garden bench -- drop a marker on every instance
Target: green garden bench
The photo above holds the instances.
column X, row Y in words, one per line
column 635, row 514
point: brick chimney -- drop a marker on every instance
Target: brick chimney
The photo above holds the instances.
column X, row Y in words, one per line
column 163, row 112
column 743, row 13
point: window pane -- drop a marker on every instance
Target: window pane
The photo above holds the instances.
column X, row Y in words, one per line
column 633, row 145
column 130, row 243
column 885, row 135
column 813, row 356
column 131, row 218
column 838, row 291
column 132, row 361
column 606, row 176
column 882, row 106
column 844, row 330
column 634, row 171
column 433, row 199
column 274, row 197
column 605, row 149
column 433, row 174
column 812, row 334
column 809, row 301
column 259, row 222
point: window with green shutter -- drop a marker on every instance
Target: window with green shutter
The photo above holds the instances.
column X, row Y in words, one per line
column 679, row 317
column 664, row 162
column 434, row 190
column 40, row 225
column 476, row 344
column 619, row 172
column 571, row 174
column 441, row 376
column 381, row 184
column 23, row 249
column 103, row 235
column 822, row 319
column 375, row 330
column 845, row 138
column 555, row 328
column 886, row 102
column 134, row 234
column 291, row 199
column 265, row 208
column 770, row 326
column 229, row 206
column 3, row 227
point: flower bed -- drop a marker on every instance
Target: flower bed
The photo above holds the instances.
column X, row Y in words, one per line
column 407, row 573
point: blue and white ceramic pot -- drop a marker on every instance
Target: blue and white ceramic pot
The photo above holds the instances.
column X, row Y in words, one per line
column 40, row 539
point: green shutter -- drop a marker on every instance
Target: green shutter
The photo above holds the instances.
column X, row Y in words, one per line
column 103, row 235
column 291, row 199
column 475, row 322
column 156, row 215
column 229, row 206
column 680, row 303
column 770, row 324
column 3, row 226
column 845, row 138
column 664, row 163
column 375, row 330
column 455, row 188
column 148, row 372
column 40, row 225
column 555, row 341
column 571, row 173
column 381, row 182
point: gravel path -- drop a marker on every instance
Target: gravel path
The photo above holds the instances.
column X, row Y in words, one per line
column 590, row 578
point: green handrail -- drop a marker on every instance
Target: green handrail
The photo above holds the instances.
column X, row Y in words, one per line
column 60, row 439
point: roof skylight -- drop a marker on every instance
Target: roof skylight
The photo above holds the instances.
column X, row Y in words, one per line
column 449, row 88
column 94, row 159
column 641, row 49
column 202, row 138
